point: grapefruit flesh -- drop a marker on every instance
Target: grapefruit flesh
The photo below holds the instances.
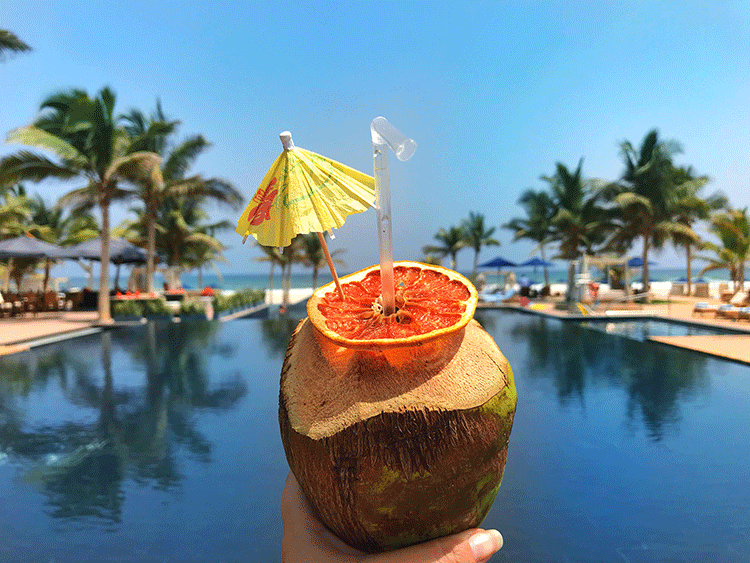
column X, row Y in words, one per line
column 430, row 302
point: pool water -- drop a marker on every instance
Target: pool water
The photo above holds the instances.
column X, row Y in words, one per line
column 643, row 329
column 161, row 443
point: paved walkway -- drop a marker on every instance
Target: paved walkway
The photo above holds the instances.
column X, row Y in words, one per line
column 19, row 333
column 729, row 346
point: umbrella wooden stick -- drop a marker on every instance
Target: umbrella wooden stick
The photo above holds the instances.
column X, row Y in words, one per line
column 330, row 265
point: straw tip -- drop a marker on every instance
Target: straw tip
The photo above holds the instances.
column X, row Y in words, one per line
column 286, row 140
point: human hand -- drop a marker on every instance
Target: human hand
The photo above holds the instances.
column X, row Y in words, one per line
column 306, row 540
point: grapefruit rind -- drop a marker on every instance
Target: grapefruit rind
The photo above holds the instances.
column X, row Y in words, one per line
column 462, row 314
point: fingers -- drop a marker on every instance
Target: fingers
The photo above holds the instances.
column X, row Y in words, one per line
column 485, row 544
column 306, row 539
column 471, row 546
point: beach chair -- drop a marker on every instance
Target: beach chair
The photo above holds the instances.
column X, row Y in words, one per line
column 497, row 297
column 703, row 307
column 744, row 314
column 6, row 307
column 584, row 309
column 700, row 290
column 725, row 311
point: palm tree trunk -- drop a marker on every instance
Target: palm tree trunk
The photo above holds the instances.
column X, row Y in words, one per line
column 270, row 278
column 476, row 261
column 151, row 247
column 689, row 270
column 546, row 272
column 315, row 278
column 571, row 280
column 47, row 265
column 644, row 271
column 286, row 282
column 103, row 303
column 6, row 281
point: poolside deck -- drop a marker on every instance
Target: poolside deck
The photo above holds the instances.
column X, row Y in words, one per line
column 735, row 347
column 20, row 333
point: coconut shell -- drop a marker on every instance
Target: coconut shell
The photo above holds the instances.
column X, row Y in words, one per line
column 397, row 446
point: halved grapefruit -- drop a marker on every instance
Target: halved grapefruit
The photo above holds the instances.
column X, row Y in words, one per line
column 431, row 301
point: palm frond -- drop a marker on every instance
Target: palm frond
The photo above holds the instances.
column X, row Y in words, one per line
column 80, row 199
column 35, row 137
column 632, row 199
column 137, row 167
column 183, row 157
column 26, row 165
column 9, row 42
column 214, row 188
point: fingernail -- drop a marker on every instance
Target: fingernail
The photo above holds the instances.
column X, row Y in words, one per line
column 484, row 544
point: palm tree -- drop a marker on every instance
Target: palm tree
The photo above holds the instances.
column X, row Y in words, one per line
column 49, row 225
column 82, row 133
column 644, row 197
column 272, row 255
column 688, row 207
column 288, row 256
column 452, row 240
column 152, row 134
column 9, row 42
column 476, row 236
column 733, row 229
column 81, row 227
column 314, row 257
column 14, row 212
column 180, row 225
column 581, row 222
column 15, row 218
column 537, row 225
column 202, row 255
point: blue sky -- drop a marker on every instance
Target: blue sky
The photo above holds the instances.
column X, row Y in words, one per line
column 494, row 94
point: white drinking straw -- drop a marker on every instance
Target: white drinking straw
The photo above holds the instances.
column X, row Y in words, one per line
column 385, row 135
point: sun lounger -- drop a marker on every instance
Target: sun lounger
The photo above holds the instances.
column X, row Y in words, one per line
column 584, row 309
column 701, row 290
column 497, row 297
column 704, row 307
column 725, row 311
column 744, row 314
column 733, row 313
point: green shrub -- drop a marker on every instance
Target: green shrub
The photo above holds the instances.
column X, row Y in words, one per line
column 127, row 309
column 241, row 298
column 192, row 307
column 156, row 307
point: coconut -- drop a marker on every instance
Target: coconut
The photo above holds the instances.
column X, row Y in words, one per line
column 397, row 446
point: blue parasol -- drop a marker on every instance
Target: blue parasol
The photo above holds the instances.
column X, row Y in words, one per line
column 498, row 263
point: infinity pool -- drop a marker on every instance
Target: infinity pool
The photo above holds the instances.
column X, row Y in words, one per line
column 643, row 329
column 160, row 443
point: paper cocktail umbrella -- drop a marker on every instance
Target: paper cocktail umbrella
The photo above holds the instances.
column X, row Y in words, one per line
column 301, row 193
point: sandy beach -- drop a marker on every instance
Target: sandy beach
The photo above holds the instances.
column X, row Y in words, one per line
column 275, row 297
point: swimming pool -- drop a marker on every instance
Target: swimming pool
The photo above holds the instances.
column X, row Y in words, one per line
column 160, row 443
column 644, row 328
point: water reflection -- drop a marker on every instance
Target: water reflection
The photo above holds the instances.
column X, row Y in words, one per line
column 656, row 378
column 277, row 332
column 141, row 425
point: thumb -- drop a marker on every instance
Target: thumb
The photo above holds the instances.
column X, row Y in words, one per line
column 471, row 546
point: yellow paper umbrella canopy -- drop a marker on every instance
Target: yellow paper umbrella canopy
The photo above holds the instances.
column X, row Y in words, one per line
column 304, row 192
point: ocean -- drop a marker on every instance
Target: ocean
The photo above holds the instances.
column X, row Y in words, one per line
column 303, row 279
